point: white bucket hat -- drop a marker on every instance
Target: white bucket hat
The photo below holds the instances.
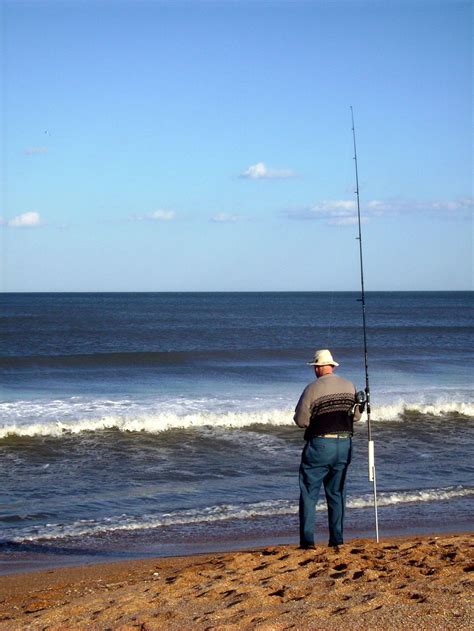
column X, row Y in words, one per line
column 322, row 358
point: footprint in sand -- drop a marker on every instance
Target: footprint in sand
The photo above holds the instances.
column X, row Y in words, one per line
column 237, row 601
column 262, row 566
column 339, row 611
column 420, row 598
column 305, row 562
column 171, row 579
column 368, row 596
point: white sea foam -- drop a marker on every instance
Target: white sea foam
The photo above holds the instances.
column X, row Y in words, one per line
column 59, row 419
column 393, row 411
column 152, row 423
column 223, row 512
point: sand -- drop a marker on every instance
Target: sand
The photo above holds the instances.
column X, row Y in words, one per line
column 402, row 583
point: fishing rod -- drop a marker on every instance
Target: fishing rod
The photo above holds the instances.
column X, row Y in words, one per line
column 371, row 448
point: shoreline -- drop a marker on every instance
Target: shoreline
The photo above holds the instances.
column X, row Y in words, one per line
column 35, row 556
column 411, row 581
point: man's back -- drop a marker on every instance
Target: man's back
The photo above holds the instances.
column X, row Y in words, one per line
column 324, row 406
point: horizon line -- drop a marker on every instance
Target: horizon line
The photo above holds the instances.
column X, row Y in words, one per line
column 239, row 291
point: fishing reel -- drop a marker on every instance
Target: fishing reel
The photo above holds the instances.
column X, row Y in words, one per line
column 361, row 402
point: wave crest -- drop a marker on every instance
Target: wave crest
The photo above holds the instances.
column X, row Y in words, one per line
column 156, row 422
column 223, row 512
column 152, row 423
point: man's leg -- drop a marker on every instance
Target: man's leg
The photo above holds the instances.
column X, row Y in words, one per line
column 313, row 469
column 334, row 486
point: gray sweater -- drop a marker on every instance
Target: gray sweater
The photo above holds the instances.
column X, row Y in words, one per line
column 325, row 405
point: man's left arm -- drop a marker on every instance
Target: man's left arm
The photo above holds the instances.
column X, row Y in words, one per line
column 303, row 409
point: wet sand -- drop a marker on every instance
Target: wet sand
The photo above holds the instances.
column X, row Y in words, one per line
column 417, row 582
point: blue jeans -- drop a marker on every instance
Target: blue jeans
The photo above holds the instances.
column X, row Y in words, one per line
column 324, row 460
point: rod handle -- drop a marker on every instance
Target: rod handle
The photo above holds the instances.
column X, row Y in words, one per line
column 371, row 461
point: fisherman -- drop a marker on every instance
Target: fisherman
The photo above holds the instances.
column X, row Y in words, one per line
column 326, row 409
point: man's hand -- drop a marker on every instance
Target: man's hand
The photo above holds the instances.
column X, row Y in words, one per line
column 359, row 405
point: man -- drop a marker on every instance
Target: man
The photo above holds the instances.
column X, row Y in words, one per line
column 327, row 409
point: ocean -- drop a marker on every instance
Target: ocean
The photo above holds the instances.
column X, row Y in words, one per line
column 136, row 424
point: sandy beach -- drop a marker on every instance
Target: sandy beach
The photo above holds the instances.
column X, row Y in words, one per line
column 418, row 582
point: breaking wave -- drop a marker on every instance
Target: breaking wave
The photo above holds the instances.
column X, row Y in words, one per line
column 152, row 423
column 62, row 424
column 223, row 512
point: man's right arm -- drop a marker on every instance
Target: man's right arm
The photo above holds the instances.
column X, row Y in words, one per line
column 357, row 413
column 358, row 409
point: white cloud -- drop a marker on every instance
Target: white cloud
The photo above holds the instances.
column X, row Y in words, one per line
column 345, row 221
column 161, row 215
column 260, row 171
column 344, row 212
column 34, row 151
column 156, row 215
column 335, row 211
column 461, row 207
column 25, row 220
column 226, row 218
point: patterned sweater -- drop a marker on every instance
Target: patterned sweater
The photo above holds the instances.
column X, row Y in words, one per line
column 324, row 406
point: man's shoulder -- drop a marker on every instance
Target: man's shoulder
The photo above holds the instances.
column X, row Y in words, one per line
column 342, row 379
column 338, row 382
column 311, row 386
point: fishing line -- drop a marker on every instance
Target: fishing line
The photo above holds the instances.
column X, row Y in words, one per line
column 328, row 336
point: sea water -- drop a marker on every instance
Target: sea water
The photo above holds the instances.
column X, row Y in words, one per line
column 162, row 423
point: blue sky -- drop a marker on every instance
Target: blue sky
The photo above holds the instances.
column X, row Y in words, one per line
column 193, row 146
